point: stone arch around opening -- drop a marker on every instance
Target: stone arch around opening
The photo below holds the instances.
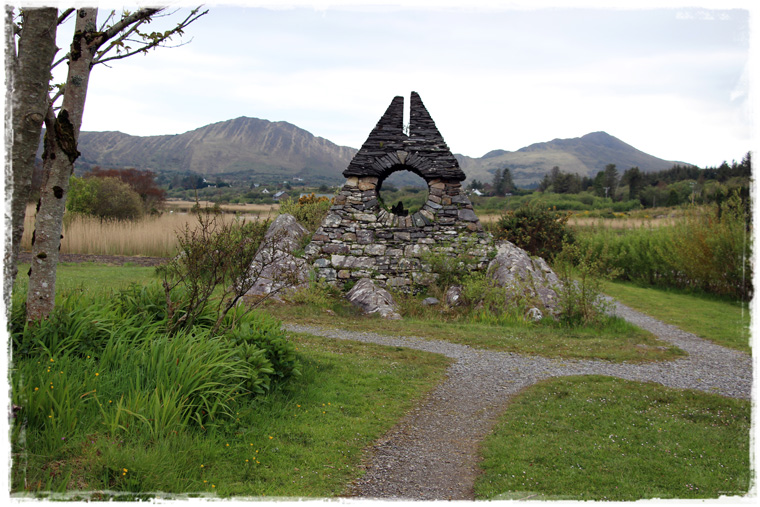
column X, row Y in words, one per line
column 400, row 208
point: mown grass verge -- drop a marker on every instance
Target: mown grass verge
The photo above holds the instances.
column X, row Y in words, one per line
column 717, row 319
column 89, row 276
column 600, row 438
column 618, row 341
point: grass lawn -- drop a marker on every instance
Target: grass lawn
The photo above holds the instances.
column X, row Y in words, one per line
column 601, row 438
column 579, row 437
column 617, row 342
column 87, row 276
column 723, row 322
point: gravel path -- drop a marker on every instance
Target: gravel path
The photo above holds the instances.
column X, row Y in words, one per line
column 432, row 453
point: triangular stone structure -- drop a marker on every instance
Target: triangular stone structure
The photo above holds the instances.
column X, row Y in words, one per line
column 360, row 238
column 388, row 148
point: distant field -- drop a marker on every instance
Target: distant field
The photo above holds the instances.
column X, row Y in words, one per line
column 620, row 223
column 261, row 209
column 605, row 223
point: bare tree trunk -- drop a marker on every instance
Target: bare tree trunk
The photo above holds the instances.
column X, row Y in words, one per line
column 29, row 73
column 61, row 136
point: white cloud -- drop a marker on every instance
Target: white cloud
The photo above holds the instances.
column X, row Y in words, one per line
column 504, row 82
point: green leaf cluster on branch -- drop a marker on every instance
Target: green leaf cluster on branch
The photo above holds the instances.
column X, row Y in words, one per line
column 536, row 229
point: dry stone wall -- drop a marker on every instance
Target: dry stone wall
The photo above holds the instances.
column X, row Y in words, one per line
column 359, row 238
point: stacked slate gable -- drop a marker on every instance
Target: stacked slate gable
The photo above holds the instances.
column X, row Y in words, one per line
column 360, row 238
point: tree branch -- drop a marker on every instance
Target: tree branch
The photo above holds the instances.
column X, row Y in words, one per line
column 116, row 42
column 61, row 59
column 126, row 21
column 105, row 23
column 58, row 95
column 64, row 15
column 158, row 38
column 136, row 19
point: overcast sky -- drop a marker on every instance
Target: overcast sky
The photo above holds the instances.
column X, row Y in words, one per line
column 672, row 82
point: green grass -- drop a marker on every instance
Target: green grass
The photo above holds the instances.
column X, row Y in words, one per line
column 716, row 319
column 305, row 439
column 631, row 440
column 599, row 438
column 87, row 276
column 618, row 341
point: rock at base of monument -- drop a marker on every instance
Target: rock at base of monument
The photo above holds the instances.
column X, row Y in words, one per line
column 454, row 296
column 430, row 302
column 514, row 269
column 373, row 299
column 535, row 314
column 274, row 269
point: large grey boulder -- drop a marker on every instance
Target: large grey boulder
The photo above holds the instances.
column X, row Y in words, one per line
column 525, row 276
column 275, row 269
column 373, row 299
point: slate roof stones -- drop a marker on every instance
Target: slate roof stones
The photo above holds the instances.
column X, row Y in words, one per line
column 423, row 151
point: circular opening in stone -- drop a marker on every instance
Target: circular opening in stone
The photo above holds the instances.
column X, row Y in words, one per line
column 403, row 192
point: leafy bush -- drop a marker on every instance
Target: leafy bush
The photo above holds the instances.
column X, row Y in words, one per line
column 107, row 198
column 581, row 301
column 142, row 182
column 265, row 333
column 96, row 364
column 535, row 228
column 213, row 268
column 711, row 250
column 308, row 210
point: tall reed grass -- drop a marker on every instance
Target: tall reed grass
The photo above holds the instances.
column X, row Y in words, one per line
column 704, row 250
column 152, row 236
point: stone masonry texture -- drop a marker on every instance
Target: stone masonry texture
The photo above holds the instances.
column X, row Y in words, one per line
column 360, row 238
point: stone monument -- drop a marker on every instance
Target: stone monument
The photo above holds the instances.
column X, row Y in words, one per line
column 362, row 238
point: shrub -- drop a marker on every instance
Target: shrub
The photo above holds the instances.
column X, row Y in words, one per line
column 258, row 330
column 142, row 182
column 535, row 228
column 213, row 268
column 107, row 198
column 581, row 301
column 308, row 210
column 711, row 250
column 98, row 363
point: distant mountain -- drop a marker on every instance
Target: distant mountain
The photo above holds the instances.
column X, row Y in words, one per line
column 259, row 149
column 585, row 156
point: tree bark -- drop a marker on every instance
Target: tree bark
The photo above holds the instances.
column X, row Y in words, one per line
column 61, row 135
column 29, row 76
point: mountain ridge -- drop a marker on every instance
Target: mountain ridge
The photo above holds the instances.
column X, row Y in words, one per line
column 256, row 148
